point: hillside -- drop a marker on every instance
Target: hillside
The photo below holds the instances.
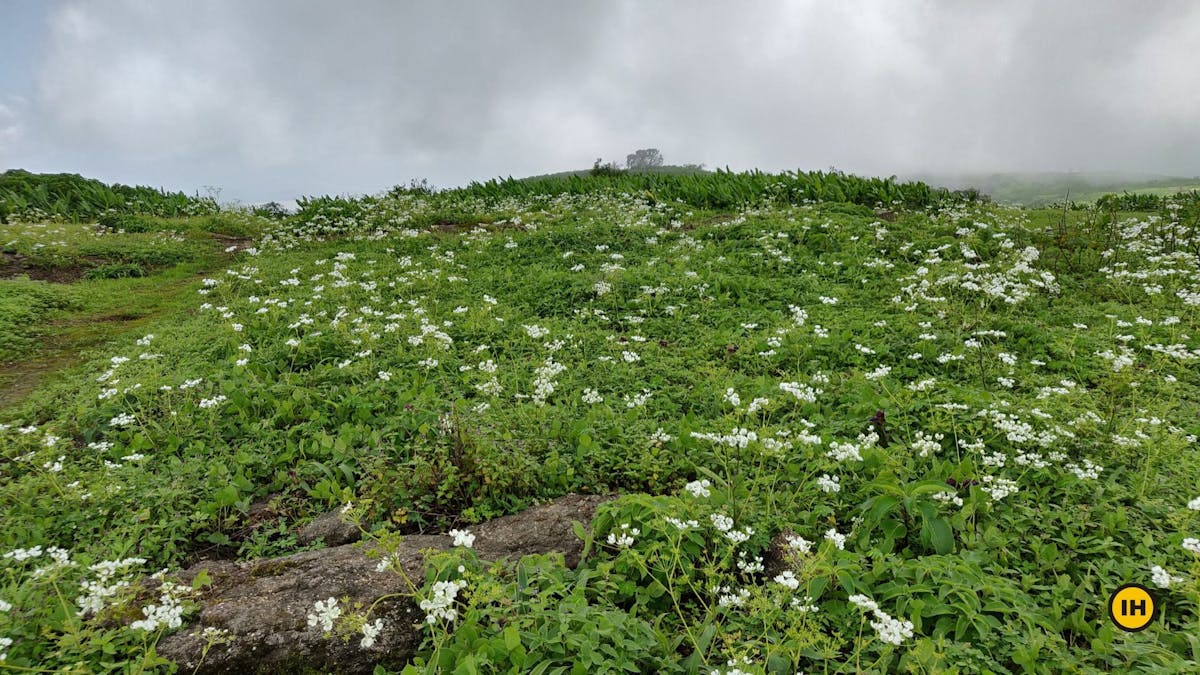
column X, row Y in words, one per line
column 854, row 425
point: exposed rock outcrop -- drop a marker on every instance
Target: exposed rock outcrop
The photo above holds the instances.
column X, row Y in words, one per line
column 264, row 604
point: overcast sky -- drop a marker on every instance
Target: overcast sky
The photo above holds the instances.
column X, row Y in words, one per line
column 276, row 99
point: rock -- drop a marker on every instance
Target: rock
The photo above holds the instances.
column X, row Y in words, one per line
column 330, row 529
column 264, row 604
column 778, row 556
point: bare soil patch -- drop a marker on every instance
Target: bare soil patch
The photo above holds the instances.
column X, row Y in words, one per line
column 13, row 265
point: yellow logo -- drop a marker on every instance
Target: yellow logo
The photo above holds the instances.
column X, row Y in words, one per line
column 1132, row 607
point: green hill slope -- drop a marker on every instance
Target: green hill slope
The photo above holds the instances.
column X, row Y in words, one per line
column 931, row 443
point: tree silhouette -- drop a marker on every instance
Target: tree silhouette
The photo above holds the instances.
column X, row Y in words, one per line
column 644, row 159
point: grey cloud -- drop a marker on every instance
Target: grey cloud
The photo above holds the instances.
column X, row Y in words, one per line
column 275, row 99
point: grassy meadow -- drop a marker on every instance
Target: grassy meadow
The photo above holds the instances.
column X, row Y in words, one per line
column 855, row 425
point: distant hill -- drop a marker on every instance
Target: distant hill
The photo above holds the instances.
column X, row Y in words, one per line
column 1039, row 189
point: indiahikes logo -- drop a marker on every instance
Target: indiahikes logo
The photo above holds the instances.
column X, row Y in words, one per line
column 1132, row 608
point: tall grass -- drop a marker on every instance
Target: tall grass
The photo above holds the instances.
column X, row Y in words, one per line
column 73, row 198
column 727, row 189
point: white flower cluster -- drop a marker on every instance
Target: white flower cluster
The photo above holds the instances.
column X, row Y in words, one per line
column 890, row 630
column 59, row 558
column 371, row 631
column 122, row 420
column 440, row 605
column 543, row 381
column 724, row 525
column 802, row 392
column 324, row 613
column 927, row 444
column 1085, row 471
column 23, row 554
column 749, row 566
column 879, row 373
column 1119, row 361
column 851, row 452
column 637, row 400
column 463, row 538
column 947, row 497
column 738, row 438
column 998, row 488
column 805, row 605
column 727, row 597
column 1164, row 579
column 798, row 543
column 682, row 525
column 799, row 316
column 699, row 488
column 625, row 538
column 104, row 586
column 731, row 397
column 536, row 332
column 1033, row 459
column 838, row 539
column 167, row 614
column 829, row 484
column 206, row 403
column 788, row 580
column 757, row 404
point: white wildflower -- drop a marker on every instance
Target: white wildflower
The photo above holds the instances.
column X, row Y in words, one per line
column 463, row 538
column 370, row 631
column 700, row 488
column 829, row 483
column 627, row 535
column 788, row 580
column 839, row 540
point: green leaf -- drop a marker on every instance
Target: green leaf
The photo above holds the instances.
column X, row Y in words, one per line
column 466, row 666
column 941, row 536
column 512, row 639
column 201, row 580
column 706, row 636
column 226, row 496
column 881, row 507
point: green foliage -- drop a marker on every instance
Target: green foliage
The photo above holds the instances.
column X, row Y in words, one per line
column 70, row 197
column 1137, row 201
column 981, row 418
column 272, row 210
column 605, row 170
column 725, row 189
column 115, row 271
column 24, row 305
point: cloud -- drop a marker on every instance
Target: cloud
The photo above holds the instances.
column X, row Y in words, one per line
column 273, row 99
column 10, row 127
